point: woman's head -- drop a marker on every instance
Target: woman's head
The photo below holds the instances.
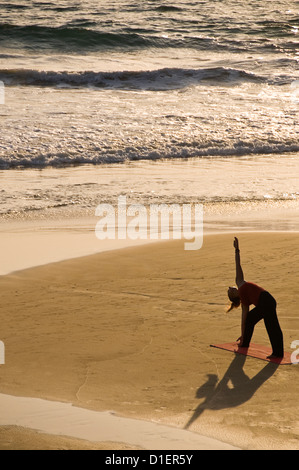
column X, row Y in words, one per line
column 234, row 297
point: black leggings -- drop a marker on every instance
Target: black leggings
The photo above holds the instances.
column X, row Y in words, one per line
column 265, row 309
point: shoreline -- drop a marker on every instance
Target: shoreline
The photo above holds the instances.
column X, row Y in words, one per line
column 66, row 420
column 39, row 242
column 134, row 278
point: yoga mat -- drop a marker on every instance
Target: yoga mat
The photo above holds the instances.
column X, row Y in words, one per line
column 256, row 350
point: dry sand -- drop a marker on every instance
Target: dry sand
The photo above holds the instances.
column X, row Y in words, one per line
column 19, row 438
column 130, row 331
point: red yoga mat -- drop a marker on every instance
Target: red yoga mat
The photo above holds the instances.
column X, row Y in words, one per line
column 256, row 350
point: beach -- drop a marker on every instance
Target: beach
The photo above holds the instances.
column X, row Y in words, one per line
column 130, row 330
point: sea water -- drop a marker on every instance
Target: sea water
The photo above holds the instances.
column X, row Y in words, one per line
column 168, row 100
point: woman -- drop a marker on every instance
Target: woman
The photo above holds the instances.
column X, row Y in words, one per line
column 248, row 294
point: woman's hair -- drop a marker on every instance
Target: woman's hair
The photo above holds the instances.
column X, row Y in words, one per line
column 235, row 303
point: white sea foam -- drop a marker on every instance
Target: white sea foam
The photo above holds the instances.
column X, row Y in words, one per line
column 55, row 127
column 63, row 419
column 267, row 181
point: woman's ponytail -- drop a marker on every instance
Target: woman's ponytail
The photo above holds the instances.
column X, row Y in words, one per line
column 235, row 304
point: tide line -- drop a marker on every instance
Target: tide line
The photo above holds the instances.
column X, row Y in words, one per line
column 64, row 419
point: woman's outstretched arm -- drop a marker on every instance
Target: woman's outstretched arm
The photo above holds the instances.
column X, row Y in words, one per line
column 239, row 270
column 245, row 310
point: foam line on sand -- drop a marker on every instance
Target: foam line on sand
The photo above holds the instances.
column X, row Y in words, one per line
column 64, row 419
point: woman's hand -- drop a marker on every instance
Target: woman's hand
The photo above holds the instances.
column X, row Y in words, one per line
column 240, row 340
column 236, row 243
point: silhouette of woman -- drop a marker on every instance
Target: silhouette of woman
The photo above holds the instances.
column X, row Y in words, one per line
column 247, row 294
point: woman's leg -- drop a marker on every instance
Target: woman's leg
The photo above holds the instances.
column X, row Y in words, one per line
column 254, row 316
column 273, row 328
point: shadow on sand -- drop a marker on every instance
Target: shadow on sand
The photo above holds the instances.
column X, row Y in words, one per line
column 220, row 395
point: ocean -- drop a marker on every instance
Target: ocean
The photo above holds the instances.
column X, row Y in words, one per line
column 160, row 100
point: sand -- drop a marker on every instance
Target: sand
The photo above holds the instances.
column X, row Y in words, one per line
column 20, row 438
column 130, row 331
column 39, row 242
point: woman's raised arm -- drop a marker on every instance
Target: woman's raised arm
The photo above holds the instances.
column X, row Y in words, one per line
column 239, row 270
